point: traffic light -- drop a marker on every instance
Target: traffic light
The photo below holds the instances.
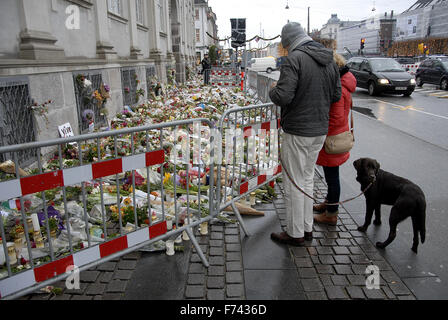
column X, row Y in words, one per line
column 425, row 49
column 238, row 32
column 363, row 42
column 382, row 43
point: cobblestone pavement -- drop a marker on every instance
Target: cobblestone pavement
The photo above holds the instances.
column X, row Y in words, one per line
column 224, row 278
column 332, row 266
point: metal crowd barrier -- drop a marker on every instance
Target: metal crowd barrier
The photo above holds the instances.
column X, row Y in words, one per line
column 77, row 231
column 225, row 77
column 251, row 153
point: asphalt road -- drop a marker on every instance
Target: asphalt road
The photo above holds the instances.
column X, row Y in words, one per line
column 409, row 137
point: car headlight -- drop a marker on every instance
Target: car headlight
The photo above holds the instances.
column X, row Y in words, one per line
column 383, row 81
column 413, row 81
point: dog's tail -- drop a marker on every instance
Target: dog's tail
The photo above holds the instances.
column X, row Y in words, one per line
column 422, row 224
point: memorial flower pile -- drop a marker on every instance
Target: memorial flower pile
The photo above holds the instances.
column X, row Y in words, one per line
column 122, row 197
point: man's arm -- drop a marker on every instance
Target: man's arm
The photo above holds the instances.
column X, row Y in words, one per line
column 283, row 94
column 338, row 88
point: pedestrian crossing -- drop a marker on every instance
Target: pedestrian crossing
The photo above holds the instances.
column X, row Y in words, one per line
column 432, row 92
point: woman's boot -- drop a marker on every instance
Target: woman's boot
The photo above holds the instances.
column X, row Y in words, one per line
column 320, row 207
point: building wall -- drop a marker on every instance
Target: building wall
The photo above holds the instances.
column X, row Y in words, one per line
column 9, row 16
column 37, row 45
column 204, row 24
column 414, row 24
column 351, row 36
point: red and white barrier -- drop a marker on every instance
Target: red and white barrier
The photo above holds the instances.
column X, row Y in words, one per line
column 68, row 177
column 32, row 277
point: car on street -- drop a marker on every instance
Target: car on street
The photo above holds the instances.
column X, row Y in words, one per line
column 267, row 64
column 433, row 71
column 381, row 75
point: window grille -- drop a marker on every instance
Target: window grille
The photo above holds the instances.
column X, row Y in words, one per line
column 115, row 6
column 85, row 100
column 130, row 85
column 17, row 124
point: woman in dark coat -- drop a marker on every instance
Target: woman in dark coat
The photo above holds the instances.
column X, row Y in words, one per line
column 339, row 122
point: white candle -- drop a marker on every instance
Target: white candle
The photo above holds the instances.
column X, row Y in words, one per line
column 204, row 228
column 169, row 247
column 169, row 224
column 36, row 225
column 185, row 236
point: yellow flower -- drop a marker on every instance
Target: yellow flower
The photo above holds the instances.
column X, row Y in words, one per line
column 114, row 209
column 167, row 178
column 127, row 201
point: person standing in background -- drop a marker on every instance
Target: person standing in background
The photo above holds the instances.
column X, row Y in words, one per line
column 206, row 69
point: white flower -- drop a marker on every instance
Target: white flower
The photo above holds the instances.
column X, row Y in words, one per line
column 87, row 83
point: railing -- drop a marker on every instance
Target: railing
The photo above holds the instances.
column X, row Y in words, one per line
column 127, row 200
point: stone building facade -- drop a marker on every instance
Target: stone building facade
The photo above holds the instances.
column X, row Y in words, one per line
column 377, row 31
column 205, row 22
column 48, row 45
column 425, row 18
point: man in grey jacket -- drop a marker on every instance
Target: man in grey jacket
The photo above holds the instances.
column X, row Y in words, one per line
column 309, row 83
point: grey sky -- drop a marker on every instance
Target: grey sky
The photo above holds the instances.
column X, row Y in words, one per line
column 272, row 15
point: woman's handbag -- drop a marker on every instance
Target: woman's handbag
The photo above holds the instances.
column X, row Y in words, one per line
column 343, row 142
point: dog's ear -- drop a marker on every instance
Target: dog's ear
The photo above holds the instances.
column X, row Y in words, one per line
column 357, row 164
column 377, row 165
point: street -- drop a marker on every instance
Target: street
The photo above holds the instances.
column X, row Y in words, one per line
column 408, row 137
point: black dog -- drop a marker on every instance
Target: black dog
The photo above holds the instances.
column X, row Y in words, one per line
column 405, row 197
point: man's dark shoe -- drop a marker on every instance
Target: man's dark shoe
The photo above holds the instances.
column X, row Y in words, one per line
column 286, row 239
column 308, row 236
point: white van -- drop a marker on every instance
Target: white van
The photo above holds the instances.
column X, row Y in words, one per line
column 267, row 64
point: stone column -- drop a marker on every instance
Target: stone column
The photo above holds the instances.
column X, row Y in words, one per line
column 36, row 39
column 177, row 45
column 155, row 51
column 136, row 52
column 104, row 49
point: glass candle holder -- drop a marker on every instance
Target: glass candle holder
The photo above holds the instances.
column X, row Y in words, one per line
column 204, row 228
column 252, row 199
column 12, row 254
column 18, row 245
column 39, row 242
column 169, row 247
column 29, row 222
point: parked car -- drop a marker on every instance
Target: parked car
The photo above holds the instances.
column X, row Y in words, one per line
column 433, row 71
column 381, row 75
column 267, row 64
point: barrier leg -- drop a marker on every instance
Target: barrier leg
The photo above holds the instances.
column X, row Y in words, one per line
column 240, row 219
column 197, row 247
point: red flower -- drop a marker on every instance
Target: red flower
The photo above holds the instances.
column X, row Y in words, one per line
column 23, row 261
